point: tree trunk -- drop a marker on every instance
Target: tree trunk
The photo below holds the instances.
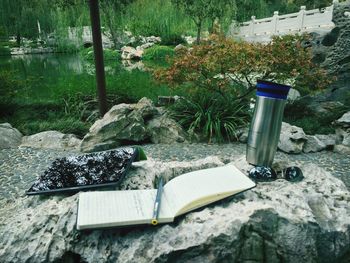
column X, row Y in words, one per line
column 98, row 52
column 199, row 29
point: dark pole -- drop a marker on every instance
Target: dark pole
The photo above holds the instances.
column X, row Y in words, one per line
column 98, row 52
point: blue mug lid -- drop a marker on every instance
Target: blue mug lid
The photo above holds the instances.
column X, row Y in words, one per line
column 271, row 89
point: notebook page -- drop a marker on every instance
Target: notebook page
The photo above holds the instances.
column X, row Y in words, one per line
column 115, row 208
column 198, row 188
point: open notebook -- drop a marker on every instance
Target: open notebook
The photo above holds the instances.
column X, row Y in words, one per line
column 180, row 195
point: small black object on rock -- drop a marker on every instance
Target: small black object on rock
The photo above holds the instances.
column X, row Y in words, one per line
column 267, row 174
column 85, row 171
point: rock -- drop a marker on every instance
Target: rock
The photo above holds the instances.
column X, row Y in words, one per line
column 144, row 46
column 274, row 222
column 131, row 65
column 151, row 39
column 325, row 107
column 337, row 52
column 121, row 123
column 243, row 135
column 292, row 139
column 343, row 128
column 131, row 53
column 189, row 39
column 51, row 140
column 165, row 130
column 131, row 123
column 293, row 94
column 346, row 140
column 342, row 149
column 180, row 47
column 9, row 136
column 329, row 140
column 344, row 121
column 313, row 144
column 167, row 100
column 332, row 51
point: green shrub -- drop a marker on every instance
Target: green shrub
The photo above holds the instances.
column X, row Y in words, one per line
column 300, row 114
column 33, row 117
column 5, row 51
column 158, row 52
column 168, row 20
column 108, row 54
column 66, row 47
column 10, row 85
column 172, row 39
column 215, row 117
column 63, row 124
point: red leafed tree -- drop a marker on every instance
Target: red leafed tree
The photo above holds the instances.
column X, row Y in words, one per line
column 224, row 65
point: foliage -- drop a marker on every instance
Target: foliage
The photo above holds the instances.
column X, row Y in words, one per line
column 158, row 53
column 172, row 39
column 108, row 54
column 248, row 8
column 10, row 85
column 300, row 114
column 227, row 66
column 5, row 51
column 215, row 117
column 21, row 17
column 111, row 12
column 200, row 10
column 167, row 22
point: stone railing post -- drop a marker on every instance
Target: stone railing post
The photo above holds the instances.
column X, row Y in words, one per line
column 275, row 22
column 252, row 22
column 301, row 16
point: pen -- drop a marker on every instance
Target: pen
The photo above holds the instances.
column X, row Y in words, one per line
column 156, row 207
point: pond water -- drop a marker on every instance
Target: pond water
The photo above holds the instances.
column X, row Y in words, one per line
column 50, row 76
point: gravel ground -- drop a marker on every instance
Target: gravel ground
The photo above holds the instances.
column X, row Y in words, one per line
column 20, row 167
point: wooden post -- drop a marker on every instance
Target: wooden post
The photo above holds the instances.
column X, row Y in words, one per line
column 98, row 52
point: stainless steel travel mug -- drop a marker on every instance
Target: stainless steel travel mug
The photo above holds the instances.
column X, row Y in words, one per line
column 265, row 126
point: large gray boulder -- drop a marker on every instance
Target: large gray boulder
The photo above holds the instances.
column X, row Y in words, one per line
column 162, row 129
column 278, row 221
column 344, row 121
column 333, row 51
column 51, row 140
column 9, row 136
column 342, row 149
column 132, row 123
column 313, row 144
column 343, row 129
column 328, row 139
column 292, row 139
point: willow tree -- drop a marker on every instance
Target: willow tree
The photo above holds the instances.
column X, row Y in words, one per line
column 20, row 18
column 112, row 10
column 201, row 10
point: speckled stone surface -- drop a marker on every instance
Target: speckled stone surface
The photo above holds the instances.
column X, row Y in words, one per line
column 20, row 167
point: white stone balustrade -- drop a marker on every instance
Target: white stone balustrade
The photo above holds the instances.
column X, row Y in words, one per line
column 261, row 30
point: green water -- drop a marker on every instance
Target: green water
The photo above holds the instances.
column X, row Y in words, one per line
column 52, row 76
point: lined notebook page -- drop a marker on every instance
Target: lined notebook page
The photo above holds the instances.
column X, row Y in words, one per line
column 115, row 208
column 198, row 188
